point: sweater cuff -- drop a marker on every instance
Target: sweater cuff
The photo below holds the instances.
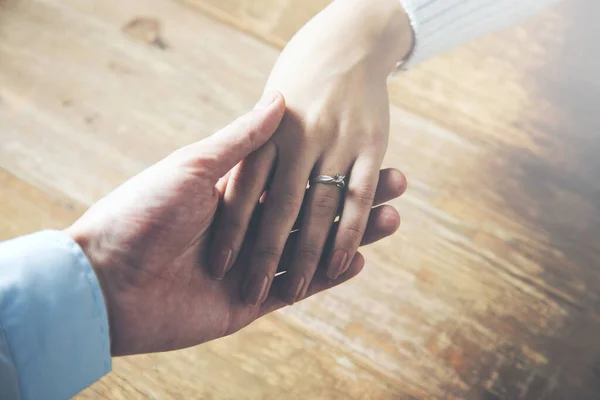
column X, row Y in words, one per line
column 441, row 25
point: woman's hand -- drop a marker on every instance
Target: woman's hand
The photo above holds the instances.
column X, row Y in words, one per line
column 333, row 75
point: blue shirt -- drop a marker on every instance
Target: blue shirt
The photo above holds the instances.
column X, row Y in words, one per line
column 54, row 337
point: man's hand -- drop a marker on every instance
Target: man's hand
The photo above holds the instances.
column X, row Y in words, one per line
column 147, row 242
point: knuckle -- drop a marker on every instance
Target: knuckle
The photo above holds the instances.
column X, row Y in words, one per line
column 304, row 141
column 253, row 131
column 287, row 202
column 378, row 130
column 322, row 122
column 202, row 163
column 309, row 255
column 375, row 142
column 254, row 136
column 325, row 205
column 353, row 232
column 268, row 254
column 364, row 196
column 295, row 146
column 259, row 161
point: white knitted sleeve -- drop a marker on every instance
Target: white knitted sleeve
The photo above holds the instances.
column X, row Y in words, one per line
column 441, row 25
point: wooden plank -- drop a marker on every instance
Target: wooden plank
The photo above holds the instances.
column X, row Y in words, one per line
column 273, row 21
column 232, row 368
column 166, row 99
column 25, row 209
column 488, row 290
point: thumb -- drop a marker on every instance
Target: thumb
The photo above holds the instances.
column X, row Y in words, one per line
column 223, row 150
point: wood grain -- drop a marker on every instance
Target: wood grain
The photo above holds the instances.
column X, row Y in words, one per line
column 489, row 289
column 25, row 208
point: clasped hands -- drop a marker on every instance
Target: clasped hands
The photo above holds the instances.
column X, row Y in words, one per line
column 149, row 240
column 199, row 245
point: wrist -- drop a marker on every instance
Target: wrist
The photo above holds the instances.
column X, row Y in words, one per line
column 379, row 29
column 361, row 38
column 85, row 244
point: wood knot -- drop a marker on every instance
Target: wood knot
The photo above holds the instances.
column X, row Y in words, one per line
column 146, row 30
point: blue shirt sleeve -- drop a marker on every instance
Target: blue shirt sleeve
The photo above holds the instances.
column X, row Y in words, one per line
column 54, row 337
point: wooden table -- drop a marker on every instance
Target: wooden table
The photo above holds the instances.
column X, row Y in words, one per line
column 489, row 290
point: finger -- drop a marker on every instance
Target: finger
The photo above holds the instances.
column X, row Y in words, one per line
column 391, row 185
column 383, row 221
column 221, row 184
column 318, row 284
column 322, row 204
column 359, row 198
column 245, row 186
column 278, row 216
column 222, row 151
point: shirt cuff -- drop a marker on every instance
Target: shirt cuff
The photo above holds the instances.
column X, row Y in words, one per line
column 440, row 25
column 53, row 320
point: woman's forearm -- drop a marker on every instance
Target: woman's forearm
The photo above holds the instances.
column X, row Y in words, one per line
column 384, row 35
column 369, row 35
column 381, row 29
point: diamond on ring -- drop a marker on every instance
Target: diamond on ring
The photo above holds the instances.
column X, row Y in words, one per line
column 337, row 180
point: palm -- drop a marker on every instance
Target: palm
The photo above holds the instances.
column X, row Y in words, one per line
column 163, row 288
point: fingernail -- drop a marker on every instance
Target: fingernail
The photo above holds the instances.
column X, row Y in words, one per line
column 296, row 285
column 220, row 263
column 256, row 290
column 337, row 264
column 345, row 267
column 266, row 100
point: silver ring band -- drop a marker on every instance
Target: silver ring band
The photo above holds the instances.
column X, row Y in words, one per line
column 337, row 180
